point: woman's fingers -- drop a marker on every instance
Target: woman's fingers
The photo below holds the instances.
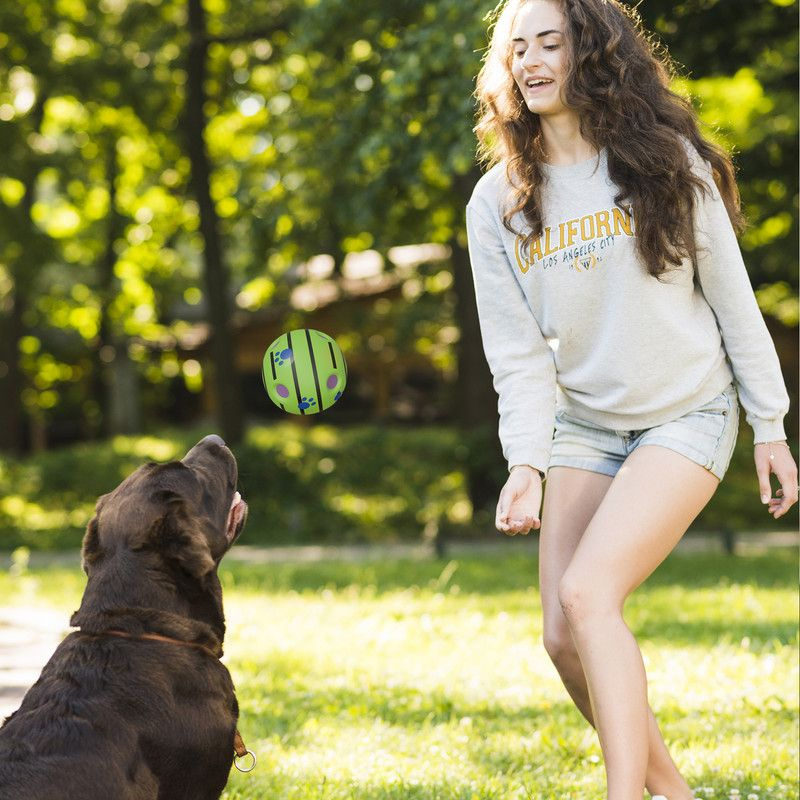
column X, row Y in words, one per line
column 776, row 459
column 762, row 471
column 524, row 525
column 786, row 495
column 508, row 524
column 517, row 506
column 503, row 505
column 783, row 501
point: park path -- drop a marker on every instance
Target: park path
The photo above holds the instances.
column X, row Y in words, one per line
column 28, row 635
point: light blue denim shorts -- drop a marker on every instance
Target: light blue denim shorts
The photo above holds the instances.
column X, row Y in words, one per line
column 706, row 435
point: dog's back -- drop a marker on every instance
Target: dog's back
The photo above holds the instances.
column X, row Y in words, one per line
column 137, row 705
column 110, row 718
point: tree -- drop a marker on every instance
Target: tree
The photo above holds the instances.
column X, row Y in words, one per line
column 217, row 278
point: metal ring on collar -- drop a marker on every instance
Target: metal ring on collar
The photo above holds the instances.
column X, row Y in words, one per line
column 245, row 769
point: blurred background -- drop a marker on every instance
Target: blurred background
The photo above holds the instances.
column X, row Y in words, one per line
column 183, row 180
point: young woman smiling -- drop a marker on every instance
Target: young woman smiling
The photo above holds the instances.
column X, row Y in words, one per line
column 621, row 330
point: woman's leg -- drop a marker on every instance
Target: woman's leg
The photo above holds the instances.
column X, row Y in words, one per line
column 571, row 499
column 647, row 508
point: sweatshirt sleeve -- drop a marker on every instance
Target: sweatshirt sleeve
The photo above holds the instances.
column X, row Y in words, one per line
column 726, row 286
column 520, row 360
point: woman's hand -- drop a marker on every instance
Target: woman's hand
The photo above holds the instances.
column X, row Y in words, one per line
column 519, row 503
column 776, row 457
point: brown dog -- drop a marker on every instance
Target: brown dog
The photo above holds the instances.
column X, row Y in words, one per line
column 136, row 704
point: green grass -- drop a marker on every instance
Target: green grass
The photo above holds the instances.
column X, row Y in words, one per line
column 405, row 679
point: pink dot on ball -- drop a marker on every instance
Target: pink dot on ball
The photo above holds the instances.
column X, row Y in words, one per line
column 282, row 390
column 333, row 380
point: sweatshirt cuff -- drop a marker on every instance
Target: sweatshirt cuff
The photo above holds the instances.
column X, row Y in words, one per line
column 768, row 430
column 535, row 457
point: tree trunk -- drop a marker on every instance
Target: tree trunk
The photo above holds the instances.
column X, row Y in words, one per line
column 223, row 379
column 116, row 387
column 12, row 437
column 15, row 430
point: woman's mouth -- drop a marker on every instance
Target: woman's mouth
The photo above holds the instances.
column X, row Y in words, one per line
column 535, row 86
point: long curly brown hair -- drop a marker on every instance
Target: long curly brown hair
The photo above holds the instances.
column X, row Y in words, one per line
column 617, row 80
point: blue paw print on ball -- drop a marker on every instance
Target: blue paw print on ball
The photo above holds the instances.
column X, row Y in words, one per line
column 284, row 356
column 306, row 402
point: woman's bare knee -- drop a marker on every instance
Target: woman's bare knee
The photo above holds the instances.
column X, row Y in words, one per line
column 558, row 643
column 572, row 598
column 581, row 600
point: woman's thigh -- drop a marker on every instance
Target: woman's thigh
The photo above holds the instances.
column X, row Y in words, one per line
column 648, row 507
column 570, row 500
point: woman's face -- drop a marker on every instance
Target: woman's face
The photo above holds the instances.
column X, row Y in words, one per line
column 535, row 55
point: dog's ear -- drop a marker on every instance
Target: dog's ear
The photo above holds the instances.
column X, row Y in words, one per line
column 178, row 535
column 91, row 550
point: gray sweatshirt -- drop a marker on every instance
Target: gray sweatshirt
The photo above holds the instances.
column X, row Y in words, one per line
column 576, row 322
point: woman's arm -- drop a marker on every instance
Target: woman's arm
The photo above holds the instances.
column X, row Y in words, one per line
column 726, row 286
column 519, row 358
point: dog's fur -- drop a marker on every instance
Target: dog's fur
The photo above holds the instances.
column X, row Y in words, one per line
column 112, row 718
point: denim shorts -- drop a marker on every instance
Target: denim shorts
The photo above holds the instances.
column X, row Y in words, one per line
column 706, row 435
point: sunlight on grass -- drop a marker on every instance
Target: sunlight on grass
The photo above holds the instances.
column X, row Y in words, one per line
column 428, row 680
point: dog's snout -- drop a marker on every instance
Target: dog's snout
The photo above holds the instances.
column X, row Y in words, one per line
column 210, row 457
column 204, row 448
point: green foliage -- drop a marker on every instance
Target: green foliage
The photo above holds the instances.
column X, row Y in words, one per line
column 334, row 127
column 313, row 484
column 393, row 680
column 778, row 300
column 739, row 65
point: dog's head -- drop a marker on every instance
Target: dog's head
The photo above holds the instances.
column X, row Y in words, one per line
column 183, row 515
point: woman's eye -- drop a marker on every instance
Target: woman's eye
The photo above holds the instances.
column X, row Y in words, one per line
column 551, row 47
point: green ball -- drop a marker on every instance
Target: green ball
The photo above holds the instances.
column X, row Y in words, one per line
column 304, row 371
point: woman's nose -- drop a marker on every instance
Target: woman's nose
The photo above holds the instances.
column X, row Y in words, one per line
column 530, row 60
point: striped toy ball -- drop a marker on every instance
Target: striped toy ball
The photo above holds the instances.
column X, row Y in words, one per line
column 304, row 371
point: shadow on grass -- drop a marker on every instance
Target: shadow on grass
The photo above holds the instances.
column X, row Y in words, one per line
column 490, row 575
column 707, row 633
column 774, row 569
column 504, row 573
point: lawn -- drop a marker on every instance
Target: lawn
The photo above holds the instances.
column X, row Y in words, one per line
column 408, row 679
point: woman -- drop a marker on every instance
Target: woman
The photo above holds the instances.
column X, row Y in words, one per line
column 621, row 329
